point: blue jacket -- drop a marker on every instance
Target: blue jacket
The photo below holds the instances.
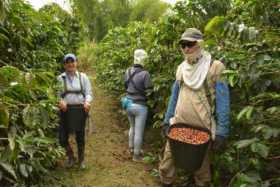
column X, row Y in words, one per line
column 222, row 107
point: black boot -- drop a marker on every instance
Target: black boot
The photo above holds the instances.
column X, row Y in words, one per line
column 81, row 156
column 70, row 155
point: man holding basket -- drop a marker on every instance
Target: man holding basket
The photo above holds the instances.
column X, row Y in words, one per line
column 198, row 93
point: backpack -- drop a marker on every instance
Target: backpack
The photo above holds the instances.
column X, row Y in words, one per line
column 66, row 91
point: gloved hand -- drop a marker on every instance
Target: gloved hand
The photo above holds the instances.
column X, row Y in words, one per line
column 164, row 129
column 218, row 143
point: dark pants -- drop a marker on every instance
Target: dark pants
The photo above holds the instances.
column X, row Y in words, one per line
column 73, row 122
column 64, row 136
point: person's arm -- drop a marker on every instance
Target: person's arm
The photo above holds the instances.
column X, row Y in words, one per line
column 222, row 109
column 222, row 114
column 125, row 78
column 148, row 82
column 61, row 104
column 172, row 102
column 170, row 108
column 88, row 93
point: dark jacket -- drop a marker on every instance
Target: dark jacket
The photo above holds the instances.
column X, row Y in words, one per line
column 136, row 88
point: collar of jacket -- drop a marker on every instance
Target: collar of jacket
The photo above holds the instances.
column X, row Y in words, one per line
column 70, row 75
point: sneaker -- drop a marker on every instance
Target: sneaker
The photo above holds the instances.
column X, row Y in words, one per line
column 137, row 158
column 130, row 151
column 82, row 165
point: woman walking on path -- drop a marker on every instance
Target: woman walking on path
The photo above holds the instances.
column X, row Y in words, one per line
column 74, row 105
column 137, row 82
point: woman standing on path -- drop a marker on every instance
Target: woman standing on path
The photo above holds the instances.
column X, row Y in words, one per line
column 74, row 106
column 137, row 82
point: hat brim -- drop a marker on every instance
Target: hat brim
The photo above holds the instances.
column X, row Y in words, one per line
column 69, row 58
column 190, row 39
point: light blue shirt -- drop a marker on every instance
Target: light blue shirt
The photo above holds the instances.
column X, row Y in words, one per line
column 73, row 84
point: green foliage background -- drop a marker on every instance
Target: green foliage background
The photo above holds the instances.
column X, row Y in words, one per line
column 242, row 34
column 99, row 17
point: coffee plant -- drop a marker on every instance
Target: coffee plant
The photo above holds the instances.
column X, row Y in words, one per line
column 32, row 44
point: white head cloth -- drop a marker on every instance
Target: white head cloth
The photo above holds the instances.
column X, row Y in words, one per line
column 194, row 75
column 139, row 56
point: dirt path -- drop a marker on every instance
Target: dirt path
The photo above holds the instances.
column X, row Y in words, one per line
column 108, row 163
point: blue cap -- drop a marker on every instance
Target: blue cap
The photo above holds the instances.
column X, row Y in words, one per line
column 69, row 56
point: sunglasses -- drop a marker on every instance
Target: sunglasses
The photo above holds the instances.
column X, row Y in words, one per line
column 188, row 44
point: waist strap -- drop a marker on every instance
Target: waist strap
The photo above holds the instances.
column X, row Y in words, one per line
column 73, row 92
column 75, row 106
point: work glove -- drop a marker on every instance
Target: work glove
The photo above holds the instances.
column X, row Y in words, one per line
column 164, row 129
column 218, row 143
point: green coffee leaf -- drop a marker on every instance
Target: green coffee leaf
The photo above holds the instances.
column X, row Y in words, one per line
column 244, row 143
column 23, row 170
column 9, row 169
column 261, row 149
column 4, row 116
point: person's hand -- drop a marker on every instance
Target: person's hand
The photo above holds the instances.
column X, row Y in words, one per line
column 62, row 105
column 218, row 142
column 164, row 129
column 86, row 106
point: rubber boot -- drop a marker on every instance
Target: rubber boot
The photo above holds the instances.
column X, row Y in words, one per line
column 81, row 156
column 70, row 155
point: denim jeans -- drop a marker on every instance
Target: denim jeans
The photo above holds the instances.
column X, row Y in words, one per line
column 137, row 115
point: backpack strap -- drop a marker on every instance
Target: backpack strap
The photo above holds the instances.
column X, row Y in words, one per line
column 130, row 79
column 207, row 91
column 130, row 76
column 66, row 91
column 209, row 99
column 64, row 86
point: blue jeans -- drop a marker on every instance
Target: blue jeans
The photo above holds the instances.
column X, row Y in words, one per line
column 137, row 115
